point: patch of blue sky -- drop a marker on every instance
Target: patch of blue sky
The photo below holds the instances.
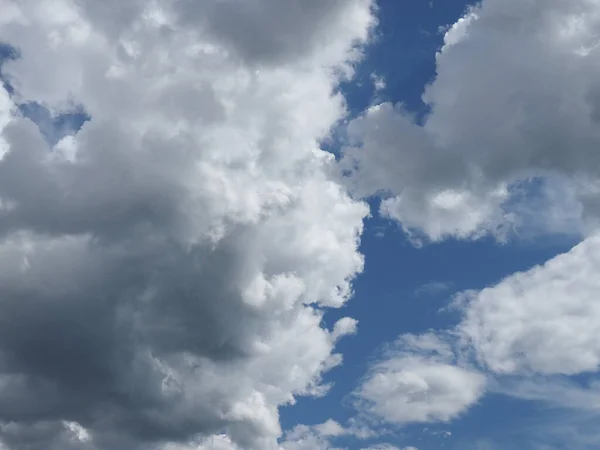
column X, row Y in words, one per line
column 401, row 55
column 408, row 36
column 54, row 125
column 7, row 53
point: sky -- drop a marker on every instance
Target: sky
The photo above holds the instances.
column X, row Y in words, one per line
column 299, row 225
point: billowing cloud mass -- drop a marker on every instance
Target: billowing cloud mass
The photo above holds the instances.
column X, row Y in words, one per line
column 164, row 267
column 514, row 115
column 157, row 267
column 419, row 381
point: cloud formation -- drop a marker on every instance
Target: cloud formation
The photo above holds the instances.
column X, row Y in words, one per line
column 417, row 381
column 525, row 337
column 545, row 320
column 515, row 99
column 531, row 336
column 162, row 270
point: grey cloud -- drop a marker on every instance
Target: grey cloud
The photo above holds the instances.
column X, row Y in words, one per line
column 514, row 98
column 272, row 31
column 258, row 32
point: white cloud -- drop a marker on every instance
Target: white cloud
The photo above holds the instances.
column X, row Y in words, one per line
column 157, row 267
column 569, row 429
column 330, row 428
column 379, row 83
column 344, row 327
column 434, row 288
column 558, row 392
column 383, row 447
column 545, row 320
column 388, row 447
column 459, row 30
column 419, row 381
column 6, row 110
column 316, row 437
column 516, row 96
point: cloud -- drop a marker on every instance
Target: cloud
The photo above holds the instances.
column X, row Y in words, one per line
column 515, row 99
column 160, row 268
column 434, row 288
column 379, row 83
column 573, row 430
column 545, row 320
column 386, row 447
column 558, row 392
column 322, row 436
column 419, row 381
column 530, row 334
column 524, row 337
column 303, row 437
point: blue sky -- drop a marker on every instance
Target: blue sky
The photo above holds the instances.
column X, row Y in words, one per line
column 168, row 207
column 403, row 52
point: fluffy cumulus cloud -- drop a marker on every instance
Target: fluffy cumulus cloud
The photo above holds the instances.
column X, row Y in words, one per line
column 159, row 268
column 419, row 380
column 516, row 98
column 544, row 321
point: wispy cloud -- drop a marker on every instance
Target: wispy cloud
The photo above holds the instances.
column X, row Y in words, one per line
column 434, row 288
